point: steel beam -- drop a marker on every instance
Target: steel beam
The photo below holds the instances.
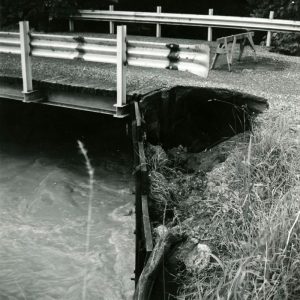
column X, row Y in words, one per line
column 262, row 24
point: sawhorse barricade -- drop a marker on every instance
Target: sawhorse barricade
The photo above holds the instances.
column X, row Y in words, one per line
column 224, row 48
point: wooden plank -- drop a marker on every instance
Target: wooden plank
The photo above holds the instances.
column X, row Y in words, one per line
column 232, row 50
column 137, row 114
column 134, row 142
column 252, row 45
column 237, row 36
column 147, row 225
column 223, row 47
column 143, row 164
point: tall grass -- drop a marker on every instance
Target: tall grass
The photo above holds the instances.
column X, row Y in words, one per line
column 91, row 172
column 247, row 212
column 249, row 215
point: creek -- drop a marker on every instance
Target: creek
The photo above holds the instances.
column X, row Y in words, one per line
column 44, row 204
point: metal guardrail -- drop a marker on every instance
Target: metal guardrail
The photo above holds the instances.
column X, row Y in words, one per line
column 190, row 58
column 74, row 47
column 261, row 24
column 119, row 51
column 10, row 42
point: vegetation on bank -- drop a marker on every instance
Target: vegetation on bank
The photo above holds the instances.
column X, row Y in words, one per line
column 246, row 210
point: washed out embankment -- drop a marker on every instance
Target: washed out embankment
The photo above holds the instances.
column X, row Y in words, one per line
column 189, row 132
column 44, row 197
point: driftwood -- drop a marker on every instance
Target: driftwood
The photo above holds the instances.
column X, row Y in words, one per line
column 154, row 263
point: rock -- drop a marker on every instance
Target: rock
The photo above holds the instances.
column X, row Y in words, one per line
column 161, row 230
column 247, row 71
column 198, row 258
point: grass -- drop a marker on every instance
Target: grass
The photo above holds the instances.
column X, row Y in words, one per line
column 247, row 211
column 90, row 171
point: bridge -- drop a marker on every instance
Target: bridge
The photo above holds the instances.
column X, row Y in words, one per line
column 104, row 74
column 111, row 96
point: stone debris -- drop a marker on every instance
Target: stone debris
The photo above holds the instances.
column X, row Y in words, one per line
column 198, row 258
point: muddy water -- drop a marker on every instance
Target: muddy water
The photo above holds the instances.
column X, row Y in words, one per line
column 44, row 204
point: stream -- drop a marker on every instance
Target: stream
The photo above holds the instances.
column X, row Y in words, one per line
column 44, row 204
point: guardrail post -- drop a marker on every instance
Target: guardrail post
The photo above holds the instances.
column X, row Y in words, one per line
column 71, row 25
column 269, row 35
column 209, row 31
column 111, row 24
column 25, row 57
column 121, row 69
column 158, row 26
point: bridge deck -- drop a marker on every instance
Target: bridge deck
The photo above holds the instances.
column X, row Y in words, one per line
column 92, row 86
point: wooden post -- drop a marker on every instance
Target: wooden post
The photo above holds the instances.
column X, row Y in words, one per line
column 158, row 26
column 209, row 31
column 269, row 35
column 25, row 56
column 71, row 25
column 111, row 24
column 121, row 61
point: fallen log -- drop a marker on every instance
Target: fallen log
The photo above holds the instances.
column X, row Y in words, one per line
column 149, row 274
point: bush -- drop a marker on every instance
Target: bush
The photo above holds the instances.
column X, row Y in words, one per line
column 38, row 12
column 286, row 43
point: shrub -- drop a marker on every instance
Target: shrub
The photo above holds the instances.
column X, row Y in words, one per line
column 286, row 43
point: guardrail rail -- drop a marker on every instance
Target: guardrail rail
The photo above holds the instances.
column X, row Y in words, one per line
column 159, row 18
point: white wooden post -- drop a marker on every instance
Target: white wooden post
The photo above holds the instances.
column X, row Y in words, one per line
column 209, row 31
column 158, row 26
column 71, row 25
column 111, row 24
column 121, row 69
column 269, row 35
column 25, row 56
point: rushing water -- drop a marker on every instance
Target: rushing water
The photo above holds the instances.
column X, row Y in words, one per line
column 44, row 204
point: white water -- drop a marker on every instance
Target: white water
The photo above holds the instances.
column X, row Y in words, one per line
column 43, row 213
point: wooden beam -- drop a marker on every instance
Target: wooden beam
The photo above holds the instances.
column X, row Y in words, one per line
column 153, row 266
column 146, row 225
column 224, row 48
column 230, row 38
